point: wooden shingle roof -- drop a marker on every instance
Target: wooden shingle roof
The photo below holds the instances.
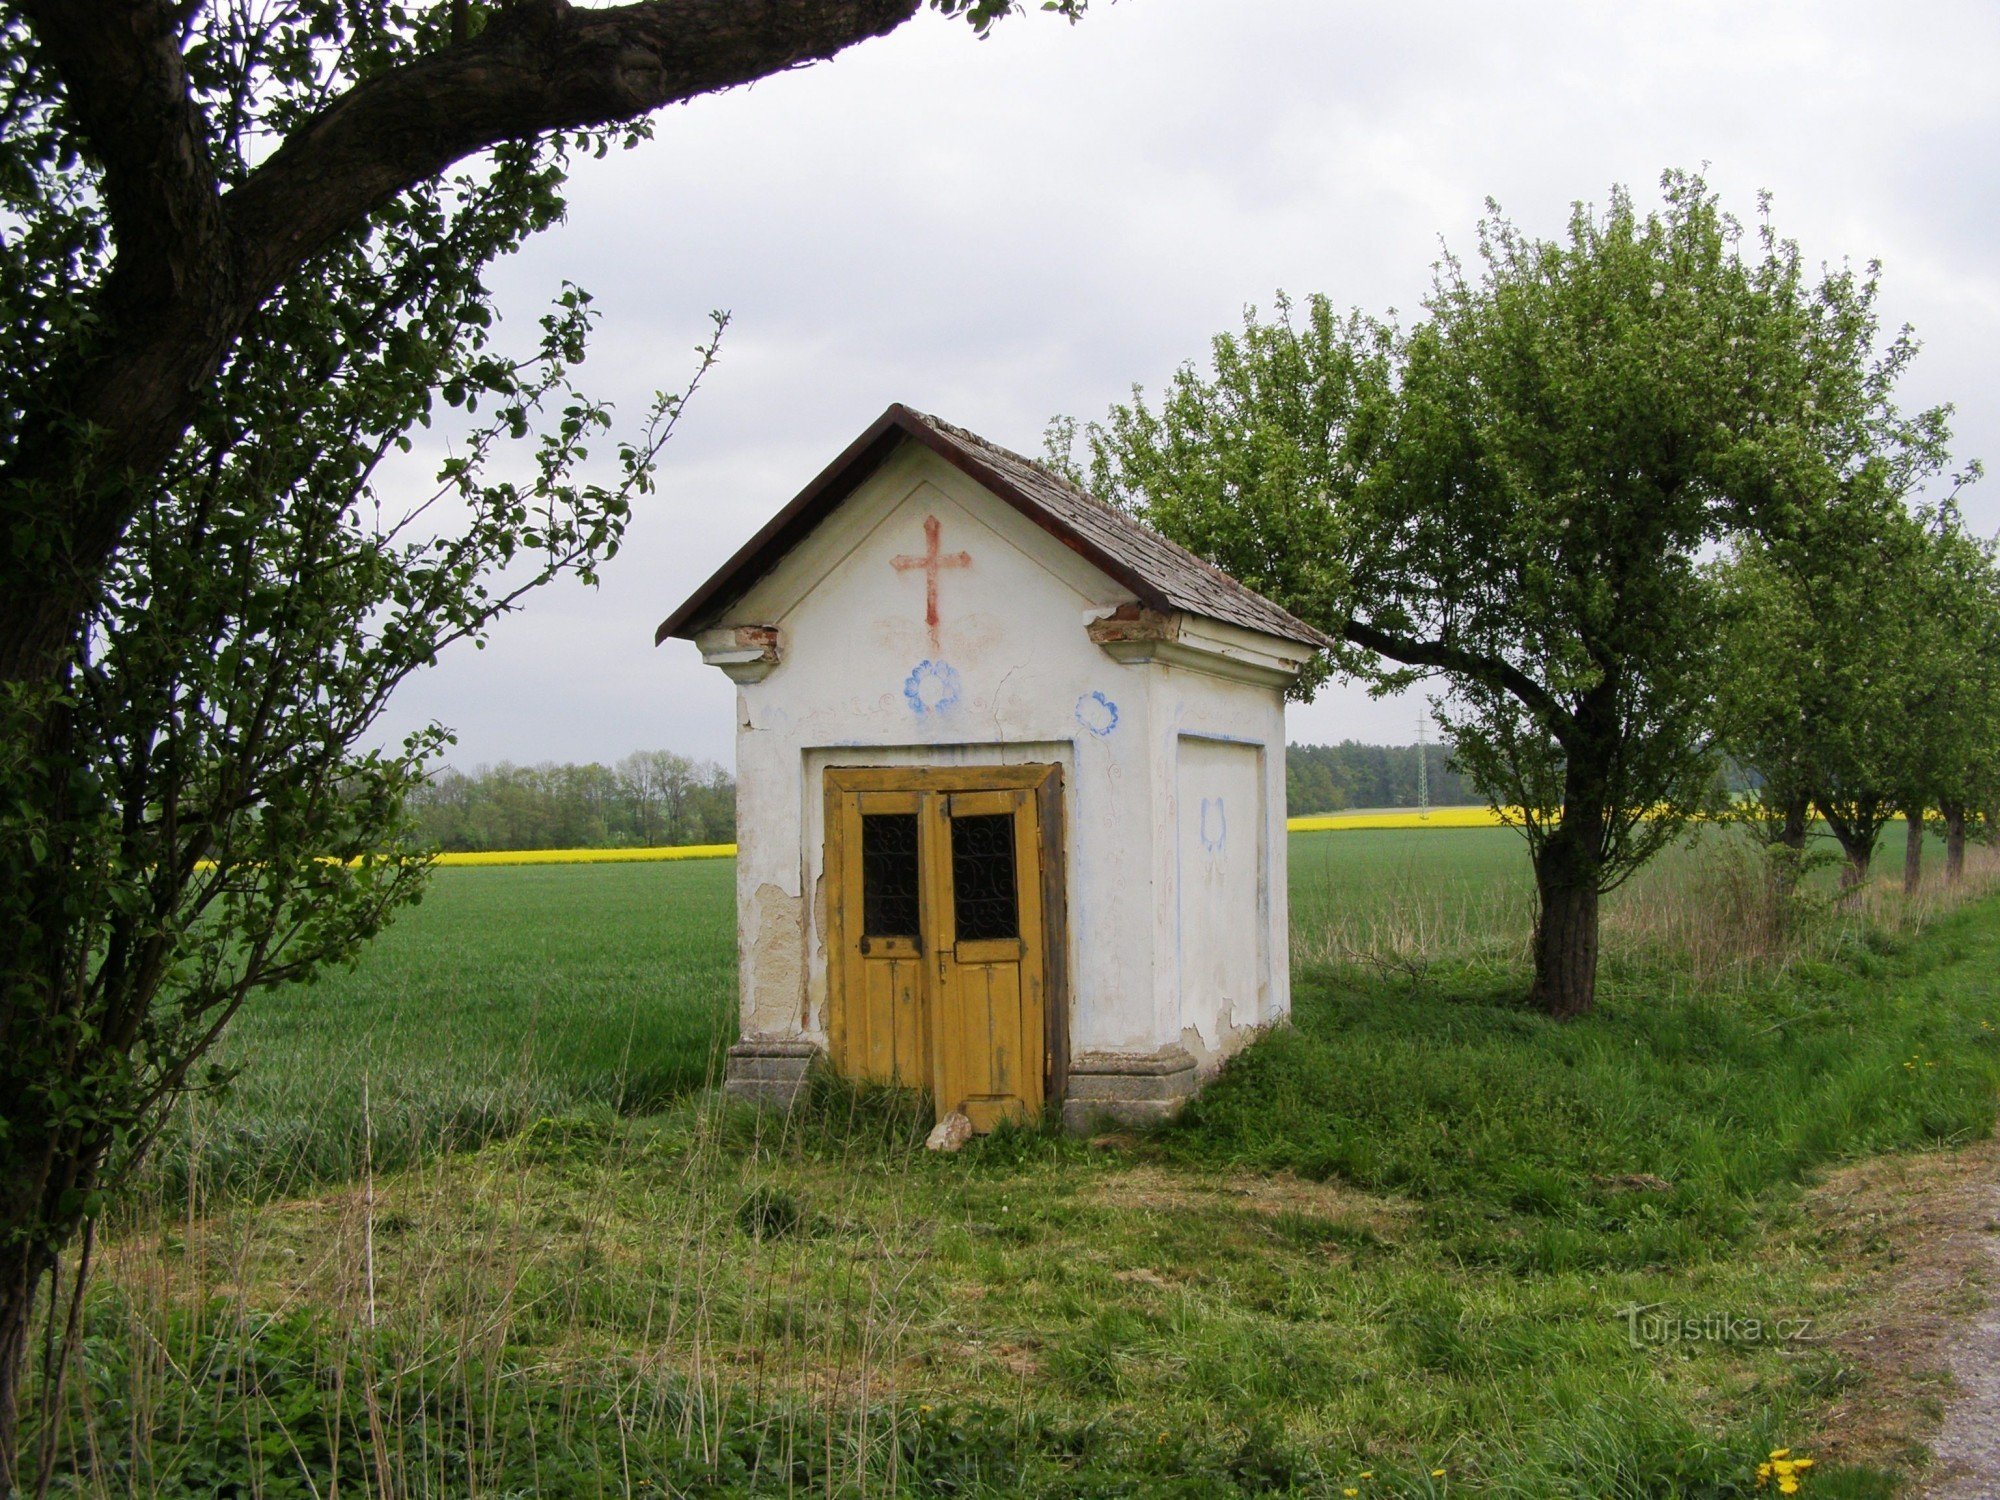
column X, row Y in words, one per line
column 1164, row 575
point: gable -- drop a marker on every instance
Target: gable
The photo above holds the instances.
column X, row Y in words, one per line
column 852, row 556
column 1157, row 573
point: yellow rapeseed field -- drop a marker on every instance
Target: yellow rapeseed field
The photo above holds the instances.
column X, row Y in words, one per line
column 1437, row 817
column 1440, row 817
column 586, row 856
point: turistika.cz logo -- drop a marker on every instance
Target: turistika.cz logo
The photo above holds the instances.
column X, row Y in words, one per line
column 1653, row 1324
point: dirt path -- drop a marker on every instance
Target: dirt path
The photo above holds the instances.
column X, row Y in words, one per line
column 1966, row 1453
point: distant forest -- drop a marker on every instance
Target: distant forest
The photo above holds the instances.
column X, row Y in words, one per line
column 656, row 798
column 649, row 799
column 1328, row 778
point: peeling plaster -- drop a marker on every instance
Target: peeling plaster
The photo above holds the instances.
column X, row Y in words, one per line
column 775, row 952
column 1230, row 1040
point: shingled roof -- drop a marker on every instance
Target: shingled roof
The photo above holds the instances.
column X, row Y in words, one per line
column 1163, row 575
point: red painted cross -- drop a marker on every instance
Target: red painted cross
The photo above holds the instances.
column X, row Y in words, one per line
column 931, row 563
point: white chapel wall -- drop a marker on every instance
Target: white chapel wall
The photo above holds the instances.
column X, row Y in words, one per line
column 1011, row 676
column 1222, row 917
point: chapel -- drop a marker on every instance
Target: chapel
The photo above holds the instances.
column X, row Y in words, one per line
column 1010, row 788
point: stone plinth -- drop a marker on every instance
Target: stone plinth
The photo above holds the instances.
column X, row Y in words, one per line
column 1127, row 1088
column 769, row 1073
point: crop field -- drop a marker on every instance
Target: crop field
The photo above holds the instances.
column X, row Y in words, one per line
column 515, row 993
column 467, row 1224
column 507, row 995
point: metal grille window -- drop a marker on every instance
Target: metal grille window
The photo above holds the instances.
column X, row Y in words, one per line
column 982, row 877
column 889, row 874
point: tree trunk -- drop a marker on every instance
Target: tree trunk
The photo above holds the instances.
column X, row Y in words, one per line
column 1566, row 933
column 1913, row 849
column 22, row 1268
column 1954, row 841
column 1787, row 856
column 1857, row 831
column 1794, row 835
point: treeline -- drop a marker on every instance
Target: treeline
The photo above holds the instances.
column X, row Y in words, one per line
column 1862, row 677
column 649, row 799
column 1329, row 778
column 655, row 798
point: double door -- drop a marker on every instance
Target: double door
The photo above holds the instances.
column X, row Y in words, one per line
column 944, row 894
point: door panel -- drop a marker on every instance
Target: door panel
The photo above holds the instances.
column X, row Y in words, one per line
column 1223, row 958
column 879, row 1032
column 990, row 975
column 959, row 1002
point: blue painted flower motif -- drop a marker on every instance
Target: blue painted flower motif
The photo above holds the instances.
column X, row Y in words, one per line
column 1097, row 713
column 931, row 688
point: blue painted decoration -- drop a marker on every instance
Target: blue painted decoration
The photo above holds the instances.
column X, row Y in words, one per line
column 931, row 688
column 1097, row 713
column 1214, row 825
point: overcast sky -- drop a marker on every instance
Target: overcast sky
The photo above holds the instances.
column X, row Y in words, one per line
column 1000, row 231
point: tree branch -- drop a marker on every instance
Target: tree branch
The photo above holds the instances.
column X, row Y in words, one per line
column 126, row 85
column 539, row 66
column 191, row 268
column 1485, row 669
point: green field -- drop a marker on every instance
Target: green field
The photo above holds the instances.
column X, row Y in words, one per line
column 512, row 994
column 1389, row 1252
column 507, row 995
column 515, row 993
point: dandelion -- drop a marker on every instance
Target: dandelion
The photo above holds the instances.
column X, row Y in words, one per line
column 1782, row 1467
column 1437, row 1473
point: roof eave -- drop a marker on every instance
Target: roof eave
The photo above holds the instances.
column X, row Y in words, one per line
column 788, row 527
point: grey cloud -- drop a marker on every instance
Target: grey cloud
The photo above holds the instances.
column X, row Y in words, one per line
column 1001, row 231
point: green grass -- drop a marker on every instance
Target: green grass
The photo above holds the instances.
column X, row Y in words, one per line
column 1522, row 1135
column 506, row 996
column 1392, row 1239
column 512, row 994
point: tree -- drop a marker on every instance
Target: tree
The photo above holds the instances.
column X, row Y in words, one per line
column 1858, row 647
column 1955, row 600
column 651, row 797
column 1815, row 639
column 1517, row 494
column 236, row 269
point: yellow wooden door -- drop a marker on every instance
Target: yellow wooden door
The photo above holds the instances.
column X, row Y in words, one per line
column 879, row 1024
column 938, row 938
column 985, row 929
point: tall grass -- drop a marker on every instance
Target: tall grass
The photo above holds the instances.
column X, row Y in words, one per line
column 704, row 1304
column 1393, row 1241
column 1706, row 909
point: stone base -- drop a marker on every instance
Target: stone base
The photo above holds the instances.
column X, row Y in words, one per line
column 769, row 1074
column 1120, row 1088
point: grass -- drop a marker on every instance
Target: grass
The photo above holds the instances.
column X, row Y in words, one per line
column 1391, row 1251
column 507, row 996
column 512, row 994
column 1524, row 1137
